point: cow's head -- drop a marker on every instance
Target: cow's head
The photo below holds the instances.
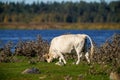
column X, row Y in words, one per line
column 48, row 57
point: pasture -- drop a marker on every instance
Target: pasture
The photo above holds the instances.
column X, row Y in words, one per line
column 12, row 71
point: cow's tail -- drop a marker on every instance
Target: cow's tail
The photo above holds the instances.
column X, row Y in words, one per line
column 92, row 46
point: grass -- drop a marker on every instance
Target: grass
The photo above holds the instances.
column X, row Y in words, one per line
column 12, row 71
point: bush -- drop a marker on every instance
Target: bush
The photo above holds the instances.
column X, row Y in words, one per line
column 109, row 52
column 5, row 53
column 32, row 48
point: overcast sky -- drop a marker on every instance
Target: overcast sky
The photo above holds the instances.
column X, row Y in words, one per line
column 31, row 1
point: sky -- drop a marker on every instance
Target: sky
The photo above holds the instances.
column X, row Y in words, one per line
column 31, row 1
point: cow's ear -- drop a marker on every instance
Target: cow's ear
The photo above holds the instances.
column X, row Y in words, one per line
column 48, row 56
column 45, row 55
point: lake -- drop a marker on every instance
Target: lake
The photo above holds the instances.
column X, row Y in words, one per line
column 99, row 36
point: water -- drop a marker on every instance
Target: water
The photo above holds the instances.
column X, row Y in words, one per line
column 99, row 36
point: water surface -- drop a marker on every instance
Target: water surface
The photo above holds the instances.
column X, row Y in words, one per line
column 99, row 36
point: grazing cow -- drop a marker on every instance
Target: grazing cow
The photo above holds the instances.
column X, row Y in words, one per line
column 65, row 44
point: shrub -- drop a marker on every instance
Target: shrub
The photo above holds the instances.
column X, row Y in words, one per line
column 109, row 52
column 5, row 52
column 32, row 48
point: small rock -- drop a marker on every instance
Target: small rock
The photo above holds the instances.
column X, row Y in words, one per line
column 80, row 77
column 31, row 62
column 42, row 77
column 114, row 76
column 73, row 63
column 31, row 71
column 68, row 77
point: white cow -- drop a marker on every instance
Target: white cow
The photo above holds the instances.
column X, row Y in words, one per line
column 65, row 44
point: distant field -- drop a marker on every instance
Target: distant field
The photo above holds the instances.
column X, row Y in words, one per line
column 98, row 26
column 50, row 71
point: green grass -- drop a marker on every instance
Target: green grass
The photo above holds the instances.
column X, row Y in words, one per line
column 12, row 71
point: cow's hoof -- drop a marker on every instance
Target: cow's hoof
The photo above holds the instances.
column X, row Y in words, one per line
column 60, row 63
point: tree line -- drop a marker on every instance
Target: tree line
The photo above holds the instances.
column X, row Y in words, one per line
column 68, row 12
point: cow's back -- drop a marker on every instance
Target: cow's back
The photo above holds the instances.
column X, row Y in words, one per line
column 64, row 43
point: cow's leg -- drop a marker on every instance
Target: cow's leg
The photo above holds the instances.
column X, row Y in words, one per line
column 61, row 58
column 79, row 56
column 78, row 49
column 87, row 57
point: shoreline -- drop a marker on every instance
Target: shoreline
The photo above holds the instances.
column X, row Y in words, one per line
column 69, row 26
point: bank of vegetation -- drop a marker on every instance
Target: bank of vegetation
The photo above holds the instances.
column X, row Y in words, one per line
column 42, row 15
column 82, row 26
